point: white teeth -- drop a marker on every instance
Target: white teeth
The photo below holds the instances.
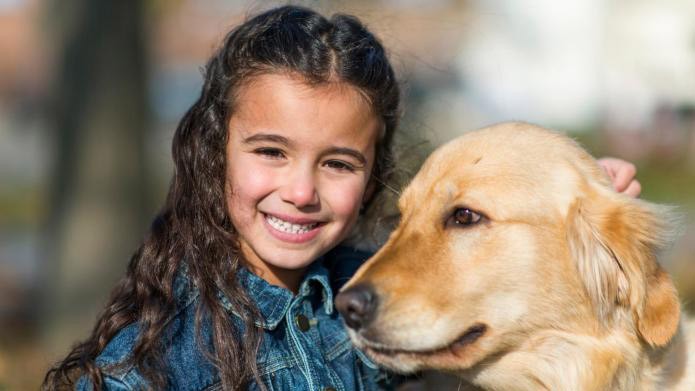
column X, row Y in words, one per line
column 286, row 226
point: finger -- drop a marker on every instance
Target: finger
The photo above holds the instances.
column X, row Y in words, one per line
column 607, row 166
column 624, row 176
column 633, row 189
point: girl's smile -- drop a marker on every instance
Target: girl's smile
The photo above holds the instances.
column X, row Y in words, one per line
column 299, row 159
column 293, row 230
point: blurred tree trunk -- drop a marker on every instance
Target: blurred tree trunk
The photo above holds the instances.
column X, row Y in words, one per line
column 97, row 207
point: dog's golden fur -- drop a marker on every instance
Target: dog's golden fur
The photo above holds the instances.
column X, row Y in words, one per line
column 557, row 287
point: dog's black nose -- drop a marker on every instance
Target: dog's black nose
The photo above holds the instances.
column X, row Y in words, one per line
column 357, row 305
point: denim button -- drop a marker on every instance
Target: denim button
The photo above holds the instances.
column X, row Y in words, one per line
column 302, row 322
column 329, row 389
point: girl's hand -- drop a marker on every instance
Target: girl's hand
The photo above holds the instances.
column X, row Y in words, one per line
column 622, row 175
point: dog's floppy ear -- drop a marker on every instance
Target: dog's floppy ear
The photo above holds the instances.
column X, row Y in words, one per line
column 615, row 241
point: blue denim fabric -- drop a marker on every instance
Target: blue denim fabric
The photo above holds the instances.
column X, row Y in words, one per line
column 289, row 359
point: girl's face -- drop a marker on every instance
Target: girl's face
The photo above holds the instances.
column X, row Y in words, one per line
column 299, row 159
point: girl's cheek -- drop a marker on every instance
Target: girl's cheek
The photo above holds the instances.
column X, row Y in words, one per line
column 255, row 182
column 346, row 198
column 250, row 181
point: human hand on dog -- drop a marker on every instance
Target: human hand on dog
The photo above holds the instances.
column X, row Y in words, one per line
column 622, row 175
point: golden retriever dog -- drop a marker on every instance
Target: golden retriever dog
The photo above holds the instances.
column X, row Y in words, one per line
column 516, row 266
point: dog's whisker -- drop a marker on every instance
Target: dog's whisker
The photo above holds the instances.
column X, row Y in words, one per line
column 387, row 186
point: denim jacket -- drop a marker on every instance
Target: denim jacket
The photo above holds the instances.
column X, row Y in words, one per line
column 305, row 345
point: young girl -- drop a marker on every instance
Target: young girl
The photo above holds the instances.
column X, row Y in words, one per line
column 289, row 140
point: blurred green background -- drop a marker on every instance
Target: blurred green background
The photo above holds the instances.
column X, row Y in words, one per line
column 91, row 91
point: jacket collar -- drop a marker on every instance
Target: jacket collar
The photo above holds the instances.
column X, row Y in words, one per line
column 273, row 302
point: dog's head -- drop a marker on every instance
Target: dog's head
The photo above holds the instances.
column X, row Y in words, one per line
column 506, row 232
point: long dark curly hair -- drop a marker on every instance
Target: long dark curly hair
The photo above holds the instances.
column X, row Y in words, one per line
column 193, row 229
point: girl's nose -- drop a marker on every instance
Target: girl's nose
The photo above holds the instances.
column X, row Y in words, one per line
column 300, row 189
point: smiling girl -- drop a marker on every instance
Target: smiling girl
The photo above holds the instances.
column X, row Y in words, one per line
column 233, row 286
column 289, row 139
column 299, row 163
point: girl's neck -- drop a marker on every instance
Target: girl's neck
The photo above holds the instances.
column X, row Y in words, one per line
column 284, row 278
column 272, row 274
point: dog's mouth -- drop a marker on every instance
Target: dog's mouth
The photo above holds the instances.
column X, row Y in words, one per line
column 470, row 336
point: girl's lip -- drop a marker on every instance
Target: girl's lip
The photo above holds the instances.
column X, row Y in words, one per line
column 290, row 237
column 293, row 220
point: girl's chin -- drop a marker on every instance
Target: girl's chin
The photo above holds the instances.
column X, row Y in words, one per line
column 290, row 261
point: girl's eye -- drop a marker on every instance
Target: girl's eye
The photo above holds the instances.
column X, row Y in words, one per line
column 272, row 153
column 340, row 165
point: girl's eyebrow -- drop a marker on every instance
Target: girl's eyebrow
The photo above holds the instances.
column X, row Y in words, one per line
column 266, row 137
column 347, row 151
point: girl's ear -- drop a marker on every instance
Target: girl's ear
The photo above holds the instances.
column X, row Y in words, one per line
column 614, row 241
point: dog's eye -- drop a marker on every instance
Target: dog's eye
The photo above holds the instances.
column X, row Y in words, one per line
column 465, row 216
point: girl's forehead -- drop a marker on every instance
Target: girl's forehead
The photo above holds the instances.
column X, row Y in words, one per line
column 287, row 104
column 300, row 87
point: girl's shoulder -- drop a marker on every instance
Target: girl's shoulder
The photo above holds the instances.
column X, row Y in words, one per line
column 121, row 345
column 180, row 344
column 113, row 362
